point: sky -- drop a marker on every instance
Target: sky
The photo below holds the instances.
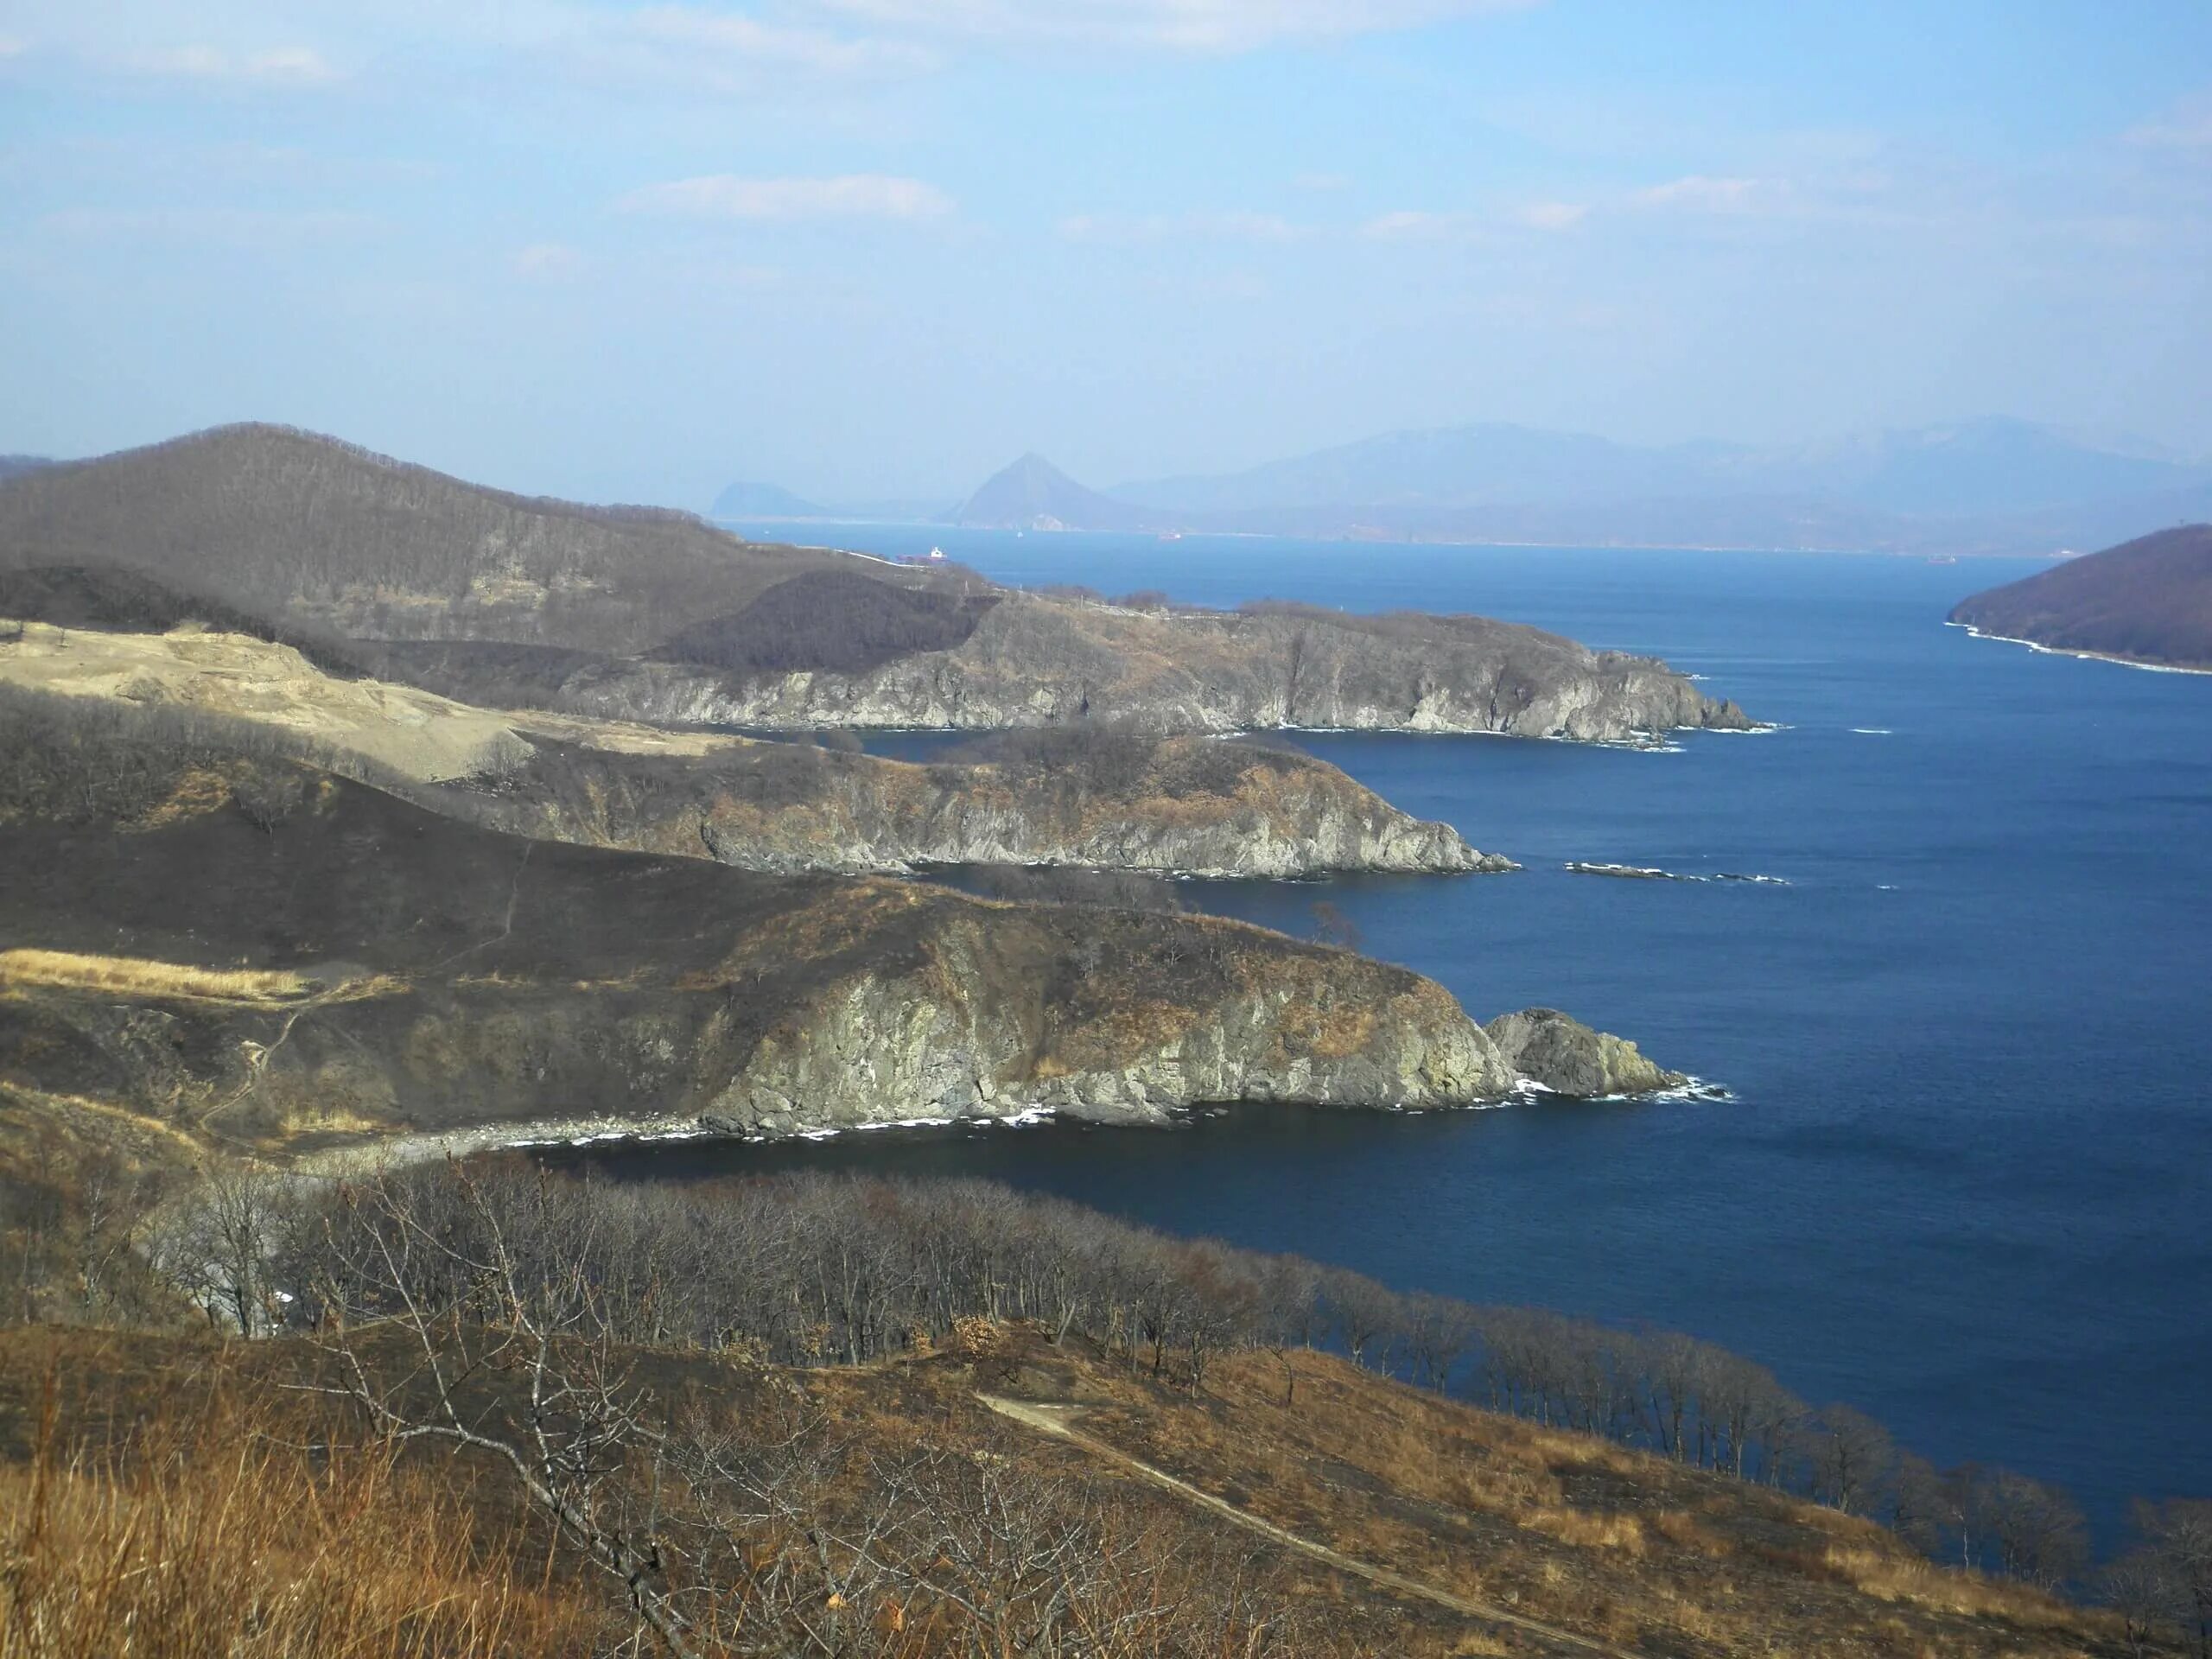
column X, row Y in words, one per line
column 878, row 248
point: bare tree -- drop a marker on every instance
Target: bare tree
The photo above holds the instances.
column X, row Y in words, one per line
column 2141, row 1588
column 2033, row 1531
column 2179, row 1534
column 1332, row 926
column 1440, row 1329
column 1362, row 1311
column 449, row 1339
column 1852, row 1456
column 1288, row 1316
column 216, row 1242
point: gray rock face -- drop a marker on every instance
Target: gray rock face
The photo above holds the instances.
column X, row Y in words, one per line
column 1568, row 1057
column 1035, row 662
column 1255, row 849
column 874, row 1053
column 1192, row 805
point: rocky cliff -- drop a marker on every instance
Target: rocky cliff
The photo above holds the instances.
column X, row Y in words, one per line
column 1097, row 799
column 1193, row 806
column 1034, row 660
column 1567, row 1057
column 259, row 957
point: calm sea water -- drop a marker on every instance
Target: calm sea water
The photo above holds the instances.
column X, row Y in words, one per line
column 1964, row 1181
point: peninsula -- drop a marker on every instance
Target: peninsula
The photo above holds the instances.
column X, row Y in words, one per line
column 643, row 613
column 1086, row 796
column 212, row 949
column 2147, row 602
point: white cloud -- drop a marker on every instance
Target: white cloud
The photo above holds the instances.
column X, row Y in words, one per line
column 1126, row 229
column 1251, row 228
column 546, row 260
column 286, row 65
column 229, row 227
column 1416, row 224
column 1552, row 215
column 1409, row 225
column 852, row 195
column 2188, row 127
column 729, row 40
column 1176, row 25
column 1699, row 193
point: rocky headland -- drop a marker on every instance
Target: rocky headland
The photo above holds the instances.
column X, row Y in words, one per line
column 1089, row 797
column 1034, row 660
column 1567, row 1057
column 638, row 614
column 345, row 807
column 257, row 956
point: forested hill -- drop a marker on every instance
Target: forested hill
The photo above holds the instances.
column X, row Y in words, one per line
column 362, row 545
column 2147, row 600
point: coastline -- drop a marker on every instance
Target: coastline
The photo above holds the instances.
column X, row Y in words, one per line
column 2114, row 657
column 398, row 1151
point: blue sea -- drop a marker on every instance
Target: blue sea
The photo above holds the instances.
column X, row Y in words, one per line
column 1963, row 1179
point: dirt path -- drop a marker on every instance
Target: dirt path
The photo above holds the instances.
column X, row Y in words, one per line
column 1060, row 1421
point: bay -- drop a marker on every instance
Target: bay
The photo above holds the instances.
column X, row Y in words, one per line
column 1963, row 1179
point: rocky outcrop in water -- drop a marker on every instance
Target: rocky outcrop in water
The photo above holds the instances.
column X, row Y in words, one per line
column 1568, row 1057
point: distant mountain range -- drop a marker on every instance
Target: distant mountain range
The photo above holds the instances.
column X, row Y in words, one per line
column 1980, row 487
column 16, row 466
column 769, row 503
column 1978, row 467
column 1033, row 494
column 744, row 500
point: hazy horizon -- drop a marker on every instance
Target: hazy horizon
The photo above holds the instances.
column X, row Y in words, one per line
column 877, row 248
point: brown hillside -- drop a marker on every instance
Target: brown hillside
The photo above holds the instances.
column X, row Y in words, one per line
column 2147, row 600
column 1488, row 1535
column 328, row 534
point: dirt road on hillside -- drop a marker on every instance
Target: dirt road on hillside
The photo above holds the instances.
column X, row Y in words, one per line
column 1060, row 1421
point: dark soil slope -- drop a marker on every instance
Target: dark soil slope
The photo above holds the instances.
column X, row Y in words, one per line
column 834, row 621
column 2148, row 601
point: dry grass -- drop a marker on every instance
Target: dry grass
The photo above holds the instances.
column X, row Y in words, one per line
column 1632, row 1549
column 1685, row 1531
column 31, row 969
column 1889, row 1576
column 142, row 976
column 213, row 1540
column 1590, row 1529
column 1577, row 1531
column 198, row 792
